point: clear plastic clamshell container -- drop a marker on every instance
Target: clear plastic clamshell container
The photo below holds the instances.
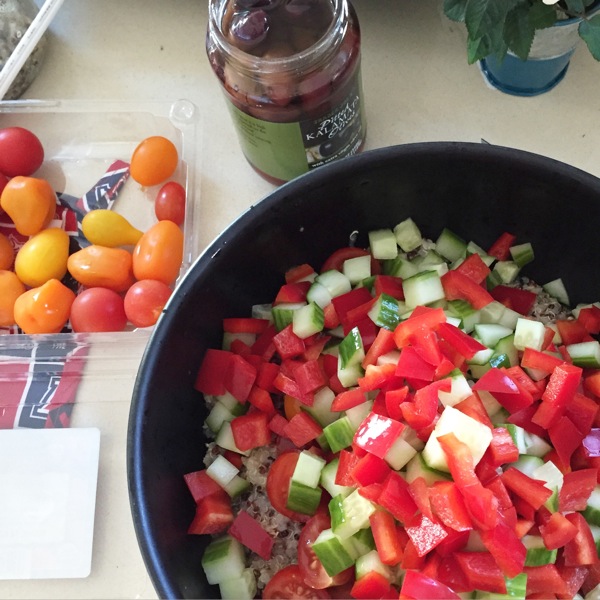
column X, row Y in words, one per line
column 81, row 141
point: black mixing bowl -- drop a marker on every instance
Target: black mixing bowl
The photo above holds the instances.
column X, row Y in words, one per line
column 476, row 190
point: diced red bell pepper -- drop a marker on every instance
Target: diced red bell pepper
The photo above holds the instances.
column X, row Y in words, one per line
column 277, row 424
column 390, row 285
column 385, row 534
column 377, row 433
column 589, row 317
column 346, row 302
column 201, row 485
column 499, row 490
column 581, row 550
column 264, row 346
column 573, row 578
column 251, row 430
column 461, row 341
column 544, row 579
column 372, row 585
column 515, row 298
column 315, row 345
column 449, row 506
column 473, row 406
column 458, row 286
column 393, row 399
column 338, row 257
column 371, row 492
column 419, row 490
column 244, row 325
column 572, row 331
column 412, row 364
column 482, row 505
column 523, row 381
column 251, row 533
column 459, row 460
column 424, row 317
column 370, row 469
column 561, row 388
column 299, row 272
column 310, row 377
column 347, row 461
column 481, row 571
column 576, row 489
column 383, row 343
column 348, row 399
column 212, row 372
column 357, row 315
column 292, row 292
column 504, row 389
column 500, row 249
column 542, row 361
column 262, row 400
column 288, row 386
column 213, row 515
column 565, row 438
column 557, row 531
column 240, row 378
column 582, row 411
column 523, row 417
column 288, row 344
column 474, row 268
column 376, row 376
column 423, row 409
column 265, row 376
column 425, row 534
column 506, row 548
column 396, row 498
column 417, row 585
column 238, row 346
column 302, row 429
column 502, row 447
column 533, row 491
column 331, row 319
column 426, row 343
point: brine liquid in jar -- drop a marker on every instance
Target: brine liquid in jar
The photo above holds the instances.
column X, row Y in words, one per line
column 290, row 71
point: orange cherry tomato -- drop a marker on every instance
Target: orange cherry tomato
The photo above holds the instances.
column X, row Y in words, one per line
column 154, row 160
column 7, row 253
column 159, row 253
column 11, row 287
column 101, row 266
column 44, row 309
column 29, row 202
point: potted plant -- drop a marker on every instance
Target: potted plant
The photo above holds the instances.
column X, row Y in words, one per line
column 524, row 46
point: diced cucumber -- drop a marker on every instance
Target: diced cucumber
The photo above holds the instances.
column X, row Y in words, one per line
column 400, row 267
column 506, row 270
column 491, row 405
column 351, row 350
column 320, row 409
column 459, row 390
column 332, row 553
column 303, row 498
column 506, row 346
column 489, row 334
column 592, row 510
column 522, row 254
column 495, row 312
column 225, row 439
column 450, row 246
column 327, row 481
column 318, row 294
column 218, row 414
column 350, row 375
column 529, row 334
column 385, row 313
column 308, row 469
column 383, row 244
column 362, row 541
column 237, row 486
column 247, row 338
column 423, row 288
column 516, row 589
column 585, row 354
column 556, row 288
column 221, row 470
column 370, row 562
column 335, row 282
column 473, row 248
column 389, row 358
column 468, row 315
column 262, row 311
column 417, row 467
column 356, row 415
column 408, row 235
column 283, row 314
column 236, row 408
column 351, row 514
column 308, row 320
column 339, row 434
column 223, row 559
column 482, row 357
column 527, row 464
column 357, row 269
column 399, row 453
column 431, row 261
column 537, row 553
column 474, row 434
column 553, row 479
column 239, row 588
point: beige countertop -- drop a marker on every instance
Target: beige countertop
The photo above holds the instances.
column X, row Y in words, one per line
column 417, row 87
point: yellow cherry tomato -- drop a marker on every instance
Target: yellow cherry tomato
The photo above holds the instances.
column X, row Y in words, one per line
column 29, row 202
column 42, row 257
column 108, row 228
column 44, row 309
column 11, row 287
column 101, row 266
column 153, row 161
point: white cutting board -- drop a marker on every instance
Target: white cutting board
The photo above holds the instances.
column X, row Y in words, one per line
column 48, row 481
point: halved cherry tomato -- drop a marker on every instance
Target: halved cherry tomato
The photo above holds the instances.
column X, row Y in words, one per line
column 21, row 152
column 278, row 484
column 154, row 160
column 169, row 204
column 11, row 287
column 311, row 568
column 289, row 584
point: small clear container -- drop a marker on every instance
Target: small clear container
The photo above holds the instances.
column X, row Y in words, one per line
column 290, row 72
column 15, row 18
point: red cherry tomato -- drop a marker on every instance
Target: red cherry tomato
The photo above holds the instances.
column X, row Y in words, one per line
column 288, row 583
column 145, row 300
column 336, row 260
column 170, row 203
column 21, row 152
column 278, row 484
column 98, row 309
column 311, row 568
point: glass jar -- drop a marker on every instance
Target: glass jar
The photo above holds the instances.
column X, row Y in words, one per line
column 15, row 18
column 290, row 71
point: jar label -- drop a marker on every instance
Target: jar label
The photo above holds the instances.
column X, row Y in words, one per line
column 286, row 150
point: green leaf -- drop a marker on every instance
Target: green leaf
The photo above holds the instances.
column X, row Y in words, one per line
column 589, row 30
column 455, row 9
column 478, row 49
column 575, row 7
column 483, row 16
column 519, row 32
column 541, row 15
